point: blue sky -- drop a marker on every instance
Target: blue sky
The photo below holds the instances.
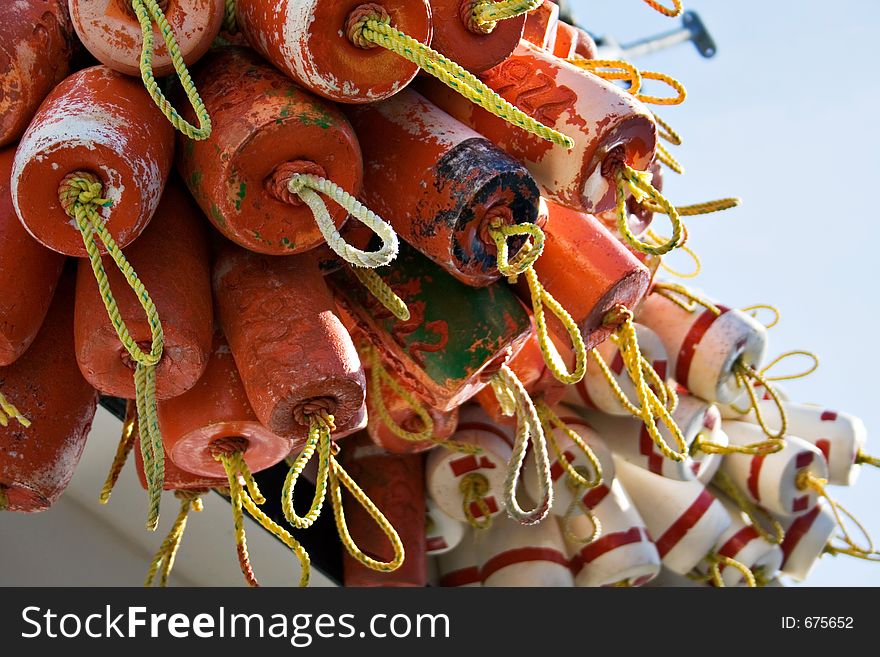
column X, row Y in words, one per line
column 785, row 117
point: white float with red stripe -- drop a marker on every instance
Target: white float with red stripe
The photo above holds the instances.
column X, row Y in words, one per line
column 628, row 438
column 459, row 567
column 806, row 538
column 771, row 480
column 594, row 391
column 704, row 347
column 563, row 493
column 511, row 554
column 683, row 517
column 839, row 436
column 741, row 541
column 445, row 469
column 623, row 554
column 442, row 533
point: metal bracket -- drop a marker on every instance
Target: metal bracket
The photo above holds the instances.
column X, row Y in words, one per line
column 693, row 29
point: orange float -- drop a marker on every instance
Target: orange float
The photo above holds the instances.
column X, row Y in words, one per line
column 540, row 27
column 401, row 413
column 36, row 44
column 28, row 275
column 171, row 259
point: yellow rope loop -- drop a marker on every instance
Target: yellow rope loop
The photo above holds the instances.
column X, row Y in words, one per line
column 717, row 560
column 80, row 196
column 577, row 509
column 651, row 407
column 753, row 312
column 147, row 12
column 486, row 13
column 807, row 480
column 862, row 458
column 555, row 363
column 718, row 205
column 762, row 448
column 284, row 536
column 307, row 186
column 229, row 21
column 9, row 411
column 367, row 29
column 666, row 131
column 745, row 374
column 528, row 427
column 318, row 441
column 671, row 82
column 379, row 377
column 664, row 391
column 126, row 443
column 527, row 255
column 672, row 12
column 383, row 292
column 637, row 182
column 665, row 157
column 339, row 475
column 675, row 291
column 791, row 377
column 551, row 421
column 698, row 265
column 473, row 488
column 834, row 550
column 756, row 515
column 163, row 561
column 611, row 69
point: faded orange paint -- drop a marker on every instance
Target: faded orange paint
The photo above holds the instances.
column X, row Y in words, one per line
column 456, row 36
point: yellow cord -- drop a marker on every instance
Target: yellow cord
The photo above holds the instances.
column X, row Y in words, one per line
column 696, row 208
column 715, row 563
column 528, row 254
column 551, row 421
column 753, row 312
column 576, row 509
column 229, row 21
column 190, row 500
column 126, row 443
column 666, row 131
column 791, row 377
column 486, row 13
column 4, row 498
column 148, row 12
column 672, row 12
column 473, row 488
column 762, row 448
column 9, row 411
column 665, row 157
column 698, row 265
column 862, row 458
column 753, row 512
column 382, row 291
column 744, row 375
column 374, row 29
column 638, row 182
column 807, row 480
column 320, row 427
column 80, row 196
column 675, row 85
column 611, row 69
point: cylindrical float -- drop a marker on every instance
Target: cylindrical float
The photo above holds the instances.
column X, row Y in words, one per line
column 110, row 30
column 265, row 130
column 743, row 543
column 36, row 44
column 104, row 123
column 704, row 347
column 806, row 537
column 171, row 259
column 396, row 485
column 839, row 436
column 309, row 41
column 440, row 184
column 459, row 567
column 475, row 47
column 741, row 408
column 588, row 271
column 28, row 275
column 214, row 411
column 594, row 390
column 629, row 439
column 292, row 351
column 770, row 480
column 563, row 493
column 540, row 27
column 176, row 478
column 683, row 517
column 511, row 554
column 607, row 125
column 624, row 554
column 37, row 463
column 405, row 417
column 442, row 533
column 457, row 336
column 450, row 476
column 572, row 41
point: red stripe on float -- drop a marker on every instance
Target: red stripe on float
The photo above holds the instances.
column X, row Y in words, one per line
column 435, row 543
column 691, row 341
column 583, row 393
column 465, row 464
column 463, row 577
column 824, row 446
column 617, row 363
column 737, row 542
column 477, row 512
column 646, row 448
column 828, row 416
column 803, row 459
column 605, row 544
column 800, row 504
column 593, row 497
column 796, row 532
column 522, row 555
column 755, row 475
column 557, row 468
column 685, row 523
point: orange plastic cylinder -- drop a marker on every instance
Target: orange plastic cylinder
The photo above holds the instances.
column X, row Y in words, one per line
column 441, row 184
column 37, row 463
column 28, row 275
column 104, row 123
column 461, row 39
column 308, row 40
column 110, row 30
column 216, row 409
column 171, row 259
column 445, row 423
column 607, row 125
column 35, row 50
column 588, row 271
column 540, row 28
column 294, row 355
column 265, row 129
column 396, row 485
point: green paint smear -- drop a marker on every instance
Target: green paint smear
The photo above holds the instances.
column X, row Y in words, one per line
column 217, row 216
